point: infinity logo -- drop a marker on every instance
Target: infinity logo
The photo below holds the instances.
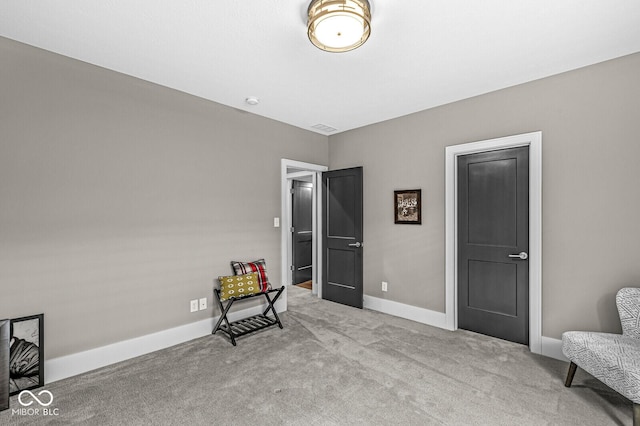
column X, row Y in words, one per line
column 44, row 404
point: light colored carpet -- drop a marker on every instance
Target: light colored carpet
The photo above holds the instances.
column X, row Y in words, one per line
column 335, row 365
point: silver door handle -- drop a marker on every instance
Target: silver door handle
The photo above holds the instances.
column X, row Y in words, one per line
column 355, row 245
column 522, row 255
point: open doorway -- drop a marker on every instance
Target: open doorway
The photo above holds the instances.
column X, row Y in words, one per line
column 302, row 232
column 295, row 171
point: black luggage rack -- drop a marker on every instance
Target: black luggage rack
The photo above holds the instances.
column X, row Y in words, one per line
column 250, row 324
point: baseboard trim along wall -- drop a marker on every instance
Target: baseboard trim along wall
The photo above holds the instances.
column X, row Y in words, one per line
column 413, row 313
column 551, row 347
column 82, row 362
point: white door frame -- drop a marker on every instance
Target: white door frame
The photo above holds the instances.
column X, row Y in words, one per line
column 290, row 170
column 534, row 142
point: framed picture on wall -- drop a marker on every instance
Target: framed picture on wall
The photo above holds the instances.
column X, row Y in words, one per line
column 407, row 206
column 26, row 353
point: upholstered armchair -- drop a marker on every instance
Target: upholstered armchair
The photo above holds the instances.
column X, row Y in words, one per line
column 614, row 359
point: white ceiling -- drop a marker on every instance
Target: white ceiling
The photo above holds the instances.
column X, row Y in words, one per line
column 421, row 53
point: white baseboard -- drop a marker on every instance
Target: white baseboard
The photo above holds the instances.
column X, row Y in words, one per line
column 552, row 348
column 413, row 313
column 81, row 362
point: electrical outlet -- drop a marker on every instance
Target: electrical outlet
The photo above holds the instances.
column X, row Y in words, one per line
column 203, row 303
column 384, row 286
column 194, row 305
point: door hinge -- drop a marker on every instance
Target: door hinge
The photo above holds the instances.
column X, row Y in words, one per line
column 291, row 190
column 292, row 230
column 293, row 268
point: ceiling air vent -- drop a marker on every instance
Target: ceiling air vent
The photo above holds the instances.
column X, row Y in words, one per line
column 324, row 128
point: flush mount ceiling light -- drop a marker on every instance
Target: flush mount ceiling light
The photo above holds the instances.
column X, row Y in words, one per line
column 339, row 25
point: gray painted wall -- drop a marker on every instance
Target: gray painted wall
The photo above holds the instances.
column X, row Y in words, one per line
column 590, row 126
column 122, row 200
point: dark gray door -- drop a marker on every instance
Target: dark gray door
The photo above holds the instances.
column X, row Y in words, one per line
column 493, row 243
column 342, row 236
column 302, row 230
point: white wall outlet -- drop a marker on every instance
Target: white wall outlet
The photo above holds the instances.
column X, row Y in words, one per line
column 276, row 222
column 384, row 285
column 194, row 305
column 203, row 303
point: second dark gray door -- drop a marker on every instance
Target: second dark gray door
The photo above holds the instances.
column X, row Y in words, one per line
column 342, row 236
column 493, row 243
column 302, row 231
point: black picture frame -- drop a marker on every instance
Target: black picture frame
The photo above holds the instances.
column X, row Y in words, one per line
column 4, row 364
column 26, row 353
column 407, row 207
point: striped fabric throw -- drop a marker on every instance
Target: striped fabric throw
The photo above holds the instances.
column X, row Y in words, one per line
column 258, row 266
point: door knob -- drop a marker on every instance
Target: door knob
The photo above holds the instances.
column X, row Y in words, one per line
column 522, row 255
column 358, row 244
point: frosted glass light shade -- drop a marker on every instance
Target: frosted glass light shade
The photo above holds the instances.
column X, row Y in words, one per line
column 339, row 25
